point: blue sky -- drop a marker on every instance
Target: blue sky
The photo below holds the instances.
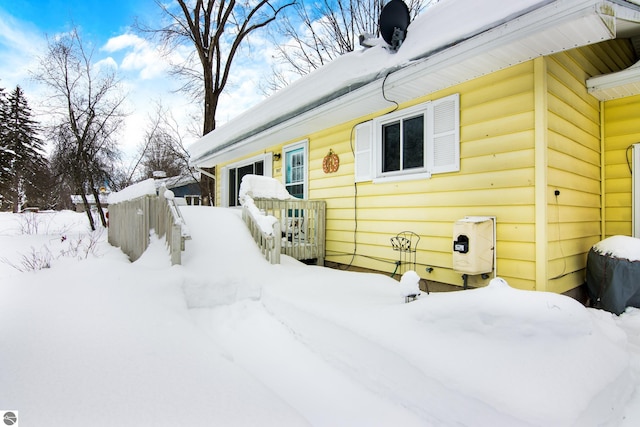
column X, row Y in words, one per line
column 100, row 19
column 105, row 25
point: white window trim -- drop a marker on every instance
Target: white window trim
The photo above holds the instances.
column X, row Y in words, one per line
column 304, row 144
column 267, row 159
column 378, row 123
column 368, row 144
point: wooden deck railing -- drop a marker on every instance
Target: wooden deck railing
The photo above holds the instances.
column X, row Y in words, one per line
column 131, row 221
column 302, row 226
column 267, row 238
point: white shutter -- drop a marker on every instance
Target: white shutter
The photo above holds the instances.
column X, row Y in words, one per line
column 443, row 135
column 363, row 151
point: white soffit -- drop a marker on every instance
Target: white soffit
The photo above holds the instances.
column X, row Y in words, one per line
column 554, row 28
column 561, row 31
column 616, row 85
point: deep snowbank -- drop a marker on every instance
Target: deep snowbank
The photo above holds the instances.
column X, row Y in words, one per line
column 508, row 357
column 104, row 342
column 228, row 339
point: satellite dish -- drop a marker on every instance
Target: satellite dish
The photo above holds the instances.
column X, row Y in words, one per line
column 394, row 20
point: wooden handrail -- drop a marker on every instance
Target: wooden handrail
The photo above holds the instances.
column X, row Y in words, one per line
column 302, row 224
column 265, row 233
column 131, row 221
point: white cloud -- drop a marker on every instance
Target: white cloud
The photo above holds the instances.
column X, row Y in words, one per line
column 123, row 41
column 108, row 62
column 139, row 55
column 20, row 46
column 142, row 70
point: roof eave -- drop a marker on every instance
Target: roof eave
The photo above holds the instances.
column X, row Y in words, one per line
column 616, row 85
column 552, row 28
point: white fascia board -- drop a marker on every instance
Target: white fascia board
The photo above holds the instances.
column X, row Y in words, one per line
column 554, row 28
column 352, row 105
column 616, row 85
column 568, row 24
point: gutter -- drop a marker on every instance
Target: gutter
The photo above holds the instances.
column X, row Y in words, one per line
column 366, row 97
column 285, row 118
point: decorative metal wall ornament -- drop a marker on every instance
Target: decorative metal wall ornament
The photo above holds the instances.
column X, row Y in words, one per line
column 331, row 162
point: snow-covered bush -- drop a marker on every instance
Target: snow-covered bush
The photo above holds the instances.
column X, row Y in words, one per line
column 78, row 248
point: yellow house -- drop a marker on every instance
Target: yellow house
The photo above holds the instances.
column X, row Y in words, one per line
column 491, row 109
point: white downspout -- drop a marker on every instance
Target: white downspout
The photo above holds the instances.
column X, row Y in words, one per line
column 635, row 191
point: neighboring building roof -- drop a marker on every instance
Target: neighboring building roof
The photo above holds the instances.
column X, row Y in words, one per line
column 451, row 42
column 177, row 181
column 77, row 199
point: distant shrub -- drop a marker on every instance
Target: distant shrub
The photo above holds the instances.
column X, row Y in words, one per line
column 79, row 248
column 35, row 260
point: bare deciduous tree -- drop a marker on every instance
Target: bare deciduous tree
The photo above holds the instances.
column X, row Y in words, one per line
column 216, row 29
column 314, row 33
column 86, row 106
column 164, row 149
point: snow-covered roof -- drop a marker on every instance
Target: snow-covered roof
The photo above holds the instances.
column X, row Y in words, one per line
column 451, row 42
column 177, row 181
column 77, row 199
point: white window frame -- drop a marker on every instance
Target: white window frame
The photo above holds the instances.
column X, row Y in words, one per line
column 266, row 158
column 369, row 151
column 399, row 116
column 304, row 144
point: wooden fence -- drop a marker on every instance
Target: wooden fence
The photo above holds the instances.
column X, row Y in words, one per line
column 131, row 221
column 301, row 227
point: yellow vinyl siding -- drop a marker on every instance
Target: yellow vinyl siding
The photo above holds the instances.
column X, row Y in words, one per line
column 496, row 178
column 622, row 129
column 574, row 158
column 573, row 169
column 502, row 118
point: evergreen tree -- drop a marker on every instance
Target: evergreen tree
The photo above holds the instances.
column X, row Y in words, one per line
column 23, row 159
column 6, row 155
column 87, row 104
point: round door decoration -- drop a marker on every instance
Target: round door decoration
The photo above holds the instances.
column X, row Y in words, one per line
column 331, row 162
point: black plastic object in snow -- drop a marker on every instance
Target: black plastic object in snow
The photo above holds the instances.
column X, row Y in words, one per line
column 613, row 283
column 394, row 20
column 406, row 243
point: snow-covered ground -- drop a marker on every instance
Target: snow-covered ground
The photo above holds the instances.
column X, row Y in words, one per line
column 227, row 339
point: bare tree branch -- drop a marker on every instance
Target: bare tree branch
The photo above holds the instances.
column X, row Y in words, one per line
column 88, row 110
column 317, row 32
column 216, row 29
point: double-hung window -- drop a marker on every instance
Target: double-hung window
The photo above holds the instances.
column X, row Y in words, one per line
column 402, row 145
column 410, row 144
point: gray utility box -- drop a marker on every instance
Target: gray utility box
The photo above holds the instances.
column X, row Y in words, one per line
column 474, row 245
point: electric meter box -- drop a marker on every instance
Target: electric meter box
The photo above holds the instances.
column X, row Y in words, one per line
column 473, row 245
